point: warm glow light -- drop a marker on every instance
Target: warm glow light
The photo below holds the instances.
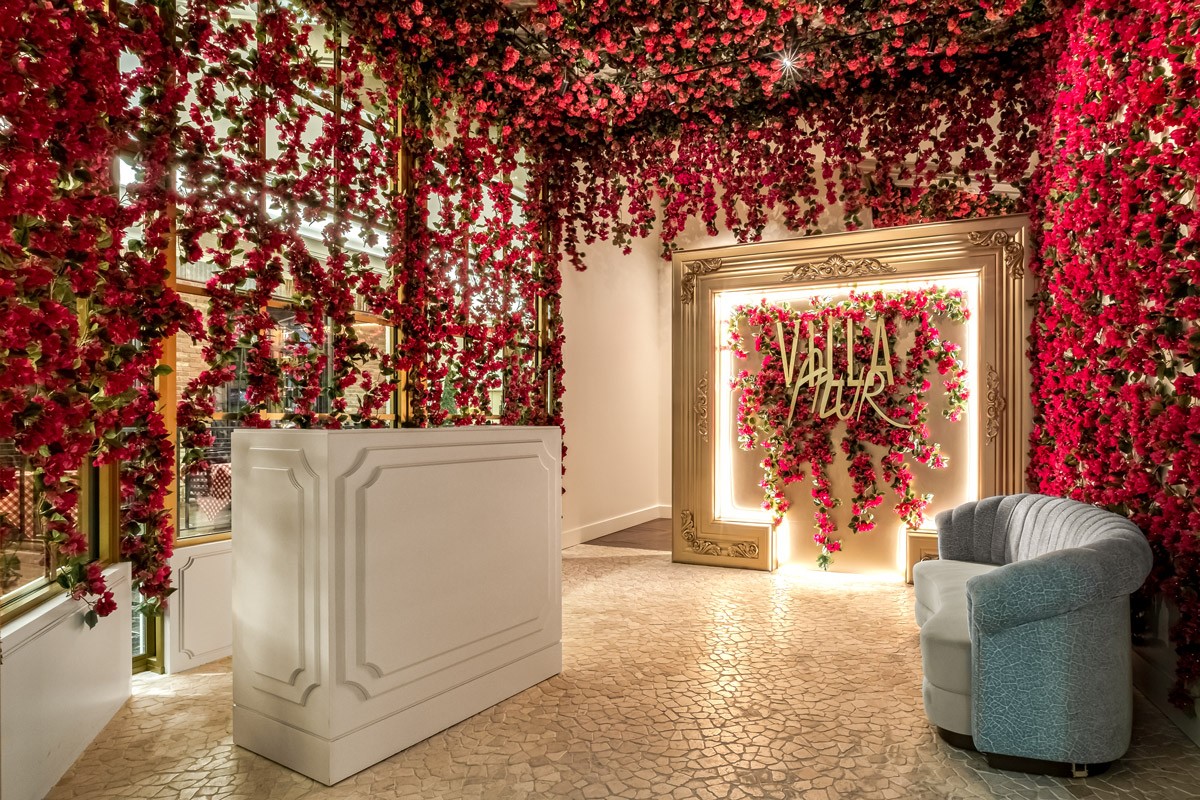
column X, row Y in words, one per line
column 901, row 547
column 783, row 542
column 800, row 570
column 973, row 353
column 726, row 508
column 726, row 441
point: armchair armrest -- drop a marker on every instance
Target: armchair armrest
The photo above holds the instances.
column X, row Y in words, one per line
column 1057, row 583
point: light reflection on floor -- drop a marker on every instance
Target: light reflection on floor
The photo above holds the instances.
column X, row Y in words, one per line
column 679, row 682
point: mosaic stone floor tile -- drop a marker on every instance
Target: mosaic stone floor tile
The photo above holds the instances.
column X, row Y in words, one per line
column 679, row 682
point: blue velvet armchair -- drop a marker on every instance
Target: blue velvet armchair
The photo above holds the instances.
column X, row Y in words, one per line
column 1025, row 630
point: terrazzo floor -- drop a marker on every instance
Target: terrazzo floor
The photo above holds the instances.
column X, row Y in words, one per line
column 679, row 682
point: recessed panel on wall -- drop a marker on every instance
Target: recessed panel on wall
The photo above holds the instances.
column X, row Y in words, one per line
column 277, row 613
column 199, row 617
column 404, row 629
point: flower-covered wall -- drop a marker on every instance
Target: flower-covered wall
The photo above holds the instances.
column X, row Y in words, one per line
column 1116, row 343
column 268, row 165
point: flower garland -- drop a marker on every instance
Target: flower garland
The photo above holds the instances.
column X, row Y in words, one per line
column 674, row 111
column 463, row 272
column 587, row 70
column 475, row 275
column 258, row 215
column 795, row 423
column 943, row 201
column 87, row 309
column 1116, row 341
column 83, row 308
column 799, row 168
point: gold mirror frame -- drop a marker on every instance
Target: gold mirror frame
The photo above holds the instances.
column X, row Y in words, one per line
column 996, row 249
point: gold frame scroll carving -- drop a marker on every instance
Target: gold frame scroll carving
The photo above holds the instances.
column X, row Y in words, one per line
column 996, row 250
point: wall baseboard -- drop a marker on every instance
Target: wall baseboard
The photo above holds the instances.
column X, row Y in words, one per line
column 604, row 527
column 1150, row 679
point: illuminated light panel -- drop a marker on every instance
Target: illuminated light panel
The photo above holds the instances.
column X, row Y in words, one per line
column 726, row 442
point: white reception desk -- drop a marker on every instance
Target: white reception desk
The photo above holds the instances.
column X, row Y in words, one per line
column 388, row 584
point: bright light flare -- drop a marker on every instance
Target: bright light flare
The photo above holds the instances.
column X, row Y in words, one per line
column 786, row 62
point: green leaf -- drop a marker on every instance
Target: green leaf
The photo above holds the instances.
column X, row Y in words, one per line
column 91, row 618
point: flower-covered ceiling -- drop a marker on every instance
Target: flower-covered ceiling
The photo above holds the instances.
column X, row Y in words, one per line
column 552, row 67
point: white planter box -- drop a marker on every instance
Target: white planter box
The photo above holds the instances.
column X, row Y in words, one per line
column 60, row 684
column 388, row 584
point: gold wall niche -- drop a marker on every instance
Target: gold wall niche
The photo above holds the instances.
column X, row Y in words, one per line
column 718, row 518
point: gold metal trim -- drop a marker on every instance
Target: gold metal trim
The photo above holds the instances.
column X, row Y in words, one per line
column 837, row 266
column 19, row 603
column 707, row 547
column 110, row 513
column 152, row 660
column 1014, row 251
column 997, row 405
column 692, row 271
column 701, row 408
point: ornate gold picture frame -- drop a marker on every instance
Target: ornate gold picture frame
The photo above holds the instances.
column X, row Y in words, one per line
column 994, row 251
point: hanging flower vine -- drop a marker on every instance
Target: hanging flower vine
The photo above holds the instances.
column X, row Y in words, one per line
column 734, row 111
column 280, row 163
column 943, row 201
column 84, row 306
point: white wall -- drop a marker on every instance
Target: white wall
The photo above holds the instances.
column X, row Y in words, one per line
column 60, row 684
column 617, row 406
column 666, row 379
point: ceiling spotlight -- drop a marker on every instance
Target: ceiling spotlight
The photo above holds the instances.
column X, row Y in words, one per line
column 786, row 64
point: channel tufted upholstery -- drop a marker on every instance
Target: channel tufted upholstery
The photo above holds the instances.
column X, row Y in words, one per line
column 1025, row 627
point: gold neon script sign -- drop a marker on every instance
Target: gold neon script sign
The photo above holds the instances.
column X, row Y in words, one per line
column 843, row 395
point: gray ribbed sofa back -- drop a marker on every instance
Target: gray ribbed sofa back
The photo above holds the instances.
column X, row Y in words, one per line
column 1001, row 530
